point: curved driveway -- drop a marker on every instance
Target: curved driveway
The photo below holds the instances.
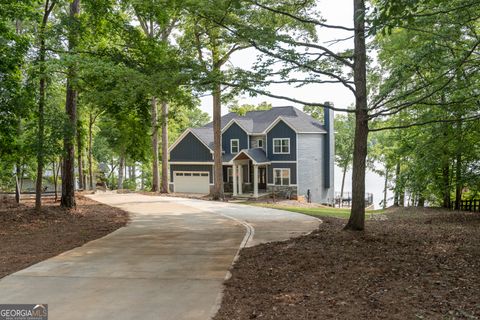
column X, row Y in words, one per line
column 168, row 263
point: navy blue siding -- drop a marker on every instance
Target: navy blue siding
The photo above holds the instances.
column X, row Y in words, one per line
column 291, row 166
column 191, row 167
column 234, row 132
column 282, row 130
column 190, row 149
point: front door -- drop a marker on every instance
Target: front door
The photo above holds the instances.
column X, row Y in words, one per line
column 262, row 178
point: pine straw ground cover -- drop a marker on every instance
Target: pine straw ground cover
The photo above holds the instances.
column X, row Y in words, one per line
column 418, row 264
column 28, row 237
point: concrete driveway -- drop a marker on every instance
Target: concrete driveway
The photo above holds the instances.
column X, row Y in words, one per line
column 168, row 263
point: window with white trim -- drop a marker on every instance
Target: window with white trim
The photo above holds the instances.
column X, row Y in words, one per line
column 229, row 174
column 234, row 146
column 260, row 143
column 281, row 177
column 281, row 145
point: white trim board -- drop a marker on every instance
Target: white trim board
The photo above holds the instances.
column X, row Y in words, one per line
column 190, row 163
column 281, row 146
column 238, row 146
column 289, row 177
column 285, row 161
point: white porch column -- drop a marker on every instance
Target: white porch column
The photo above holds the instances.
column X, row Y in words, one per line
column 255, row 181
column 240, row 179
column 234, row 174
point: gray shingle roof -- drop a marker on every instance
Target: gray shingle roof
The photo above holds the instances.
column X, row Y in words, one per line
column 227, row 157
column 256, row 154
column 256, row 122
column 205, row 134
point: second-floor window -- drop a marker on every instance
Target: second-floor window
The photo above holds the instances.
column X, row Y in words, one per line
column 234, row 146
column 281, row 145
column 260, row 143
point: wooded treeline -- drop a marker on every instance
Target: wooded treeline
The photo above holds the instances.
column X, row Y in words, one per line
column 101, row 87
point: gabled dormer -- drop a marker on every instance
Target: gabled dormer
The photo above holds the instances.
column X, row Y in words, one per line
column 234, row 138
column 281, row 141
column 189, row 147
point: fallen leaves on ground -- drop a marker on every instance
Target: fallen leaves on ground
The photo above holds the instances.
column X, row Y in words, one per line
column 418, row 264
column 28, row 237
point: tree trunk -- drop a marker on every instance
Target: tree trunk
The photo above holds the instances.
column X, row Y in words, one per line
column 90, row 152
column 446, row 184
column 55, row 178
column 21, row 180
column 343, row 185
column 155, row 173
column 81, row 181
column 458, row 177
column 121, row 171
column 17, row 183
column 217, row 142
column 54, row 181
column 134, row 177
column 421, row 201
column 68, row 178
column 385, row 189
column 164, row 148
column 111, row 175
column 41, row 105
column 357, row 215
column 396, row 197
column 458, row 183
column 401, row 198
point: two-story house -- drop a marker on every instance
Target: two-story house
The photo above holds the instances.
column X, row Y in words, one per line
column 282, row 150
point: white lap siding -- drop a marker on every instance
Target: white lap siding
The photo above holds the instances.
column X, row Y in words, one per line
column 311, row 168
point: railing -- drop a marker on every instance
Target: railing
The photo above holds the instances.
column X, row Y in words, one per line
column 467, row 205
column 346, row 200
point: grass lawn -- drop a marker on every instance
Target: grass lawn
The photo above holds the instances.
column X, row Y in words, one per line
column 316, row 212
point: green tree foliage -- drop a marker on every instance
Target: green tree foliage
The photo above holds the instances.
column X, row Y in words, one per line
column 421, row 108
column 344, row 135
column 244, row 108
column 431, row 79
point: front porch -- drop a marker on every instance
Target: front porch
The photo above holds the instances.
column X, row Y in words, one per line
column 256, row 175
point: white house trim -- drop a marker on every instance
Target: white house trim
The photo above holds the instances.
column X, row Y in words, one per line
column 289, row 176
column 281, row 118
column 312, row 132
column 253, row 161
column 231, row 146
column 281, row 152
column 296, row 157
column 191, row 163
column 258, row 143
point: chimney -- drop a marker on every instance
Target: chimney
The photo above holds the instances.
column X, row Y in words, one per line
column 328, row 146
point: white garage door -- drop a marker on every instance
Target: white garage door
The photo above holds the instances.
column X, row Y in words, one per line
column 191, row 182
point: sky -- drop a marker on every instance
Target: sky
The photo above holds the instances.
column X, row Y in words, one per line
column 338, row 12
